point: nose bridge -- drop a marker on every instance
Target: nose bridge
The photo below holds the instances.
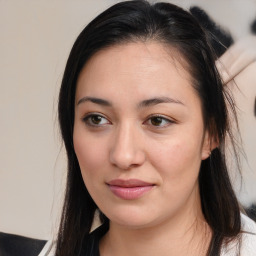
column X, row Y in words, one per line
column 126, row 149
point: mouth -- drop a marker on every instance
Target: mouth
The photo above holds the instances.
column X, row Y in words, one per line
column 129, row 189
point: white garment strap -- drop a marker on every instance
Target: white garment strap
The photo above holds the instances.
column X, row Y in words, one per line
column 49, row 249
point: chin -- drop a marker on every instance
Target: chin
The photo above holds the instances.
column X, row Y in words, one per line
column 135, row 217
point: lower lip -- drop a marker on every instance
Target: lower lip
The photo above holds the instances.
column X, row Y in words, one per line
column 130, row 193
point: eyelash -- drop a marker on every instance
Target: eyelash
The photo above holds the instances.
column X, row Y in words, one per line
column 88, row 120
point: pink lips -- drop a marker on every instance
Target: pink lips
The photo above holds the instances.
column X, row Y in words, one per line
column 129, row 189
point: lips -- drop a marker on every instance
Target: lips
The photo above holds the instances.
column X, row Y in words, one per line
column 129, row 189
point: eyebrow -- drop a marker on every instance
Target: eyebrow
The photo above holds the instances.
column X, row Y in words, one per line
column 158, row 100
column 95, row 100
column 144, row 103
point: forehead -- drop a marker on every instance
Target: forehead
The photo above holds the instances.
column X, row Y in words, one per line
column 144, row 68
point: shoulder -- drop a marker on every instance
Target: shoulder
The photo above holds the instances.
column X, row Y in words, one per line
column 248, row 246
column 12, row 245
column 247, row 242
column 248, row 225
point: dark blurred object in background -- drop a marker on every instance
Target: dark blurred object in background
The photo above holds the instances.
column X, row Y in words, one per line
column 220, row 38
column 253, row 27
column 251, row 211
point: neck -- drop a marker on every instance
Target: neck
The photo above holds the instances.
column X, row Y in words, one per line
column 184, row 234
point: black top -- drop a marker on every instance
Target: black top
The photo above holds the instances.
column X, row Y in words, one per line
column 16, row 245
column 91, row 244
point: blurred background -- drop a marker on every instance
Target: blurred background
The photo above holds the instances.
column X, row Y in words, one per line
column 36, row 37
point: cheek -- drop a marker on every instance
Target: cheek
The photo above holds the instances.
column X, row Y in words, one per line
column 177, row 164
column 177, row 160
column 90, row 155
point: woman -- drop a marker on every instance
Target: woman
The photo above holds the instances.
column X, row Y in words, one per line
column 144, row 120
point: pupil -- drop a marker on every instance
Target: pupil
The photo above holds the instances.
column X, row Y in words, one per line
column 156, row 121
column 96, row 119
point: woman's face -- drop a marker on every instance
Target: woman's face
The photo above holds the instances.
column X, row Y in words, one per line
column 139, row 135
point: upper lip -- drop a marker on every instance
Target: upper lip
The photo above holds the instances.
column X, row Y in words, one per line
column 129, row 183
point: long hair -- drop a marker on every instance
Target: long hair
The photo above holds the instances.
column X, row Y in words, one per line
column 171, row 26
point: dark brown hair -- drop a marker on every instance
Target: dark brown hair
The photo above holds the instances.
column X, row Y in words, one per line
column 132, row 21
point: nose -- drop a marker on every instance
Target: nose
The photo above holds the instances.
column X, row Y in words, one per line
column 127, row 148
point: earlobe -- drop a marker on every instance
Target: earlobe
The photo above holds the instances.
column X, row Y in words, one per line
column 206, row 154
column 209, row 144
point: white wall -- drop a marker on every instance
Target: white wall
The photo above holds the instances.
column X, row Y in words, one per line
column 36, row 37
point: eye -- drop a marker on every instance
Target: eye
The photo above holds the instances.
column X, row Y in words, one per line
column 159, row 121
column 95, row 120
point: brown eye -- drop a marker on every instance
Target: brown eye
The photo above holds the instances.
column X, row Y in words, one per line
column 95, row 120
column 156, row 121
column 159, row 121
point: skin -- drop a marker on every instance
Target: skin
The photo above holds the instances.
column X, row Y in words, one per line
column 125, row 140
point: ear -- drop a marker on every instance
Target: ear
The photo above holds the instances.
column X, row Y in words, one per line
column 210, row 142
